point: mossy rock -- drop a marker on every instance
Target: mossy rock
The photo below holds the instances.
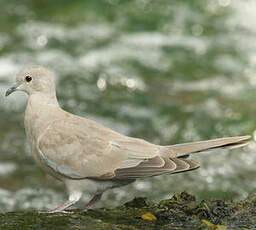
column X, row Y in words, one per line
column 182, row 211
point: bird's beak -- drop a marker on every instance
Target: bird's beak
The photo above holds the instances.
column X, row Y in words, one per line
column 11, row 90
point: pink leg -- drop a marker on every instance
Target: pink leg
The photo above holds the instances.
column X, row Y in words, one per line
column 94, row 199
column 73, row 198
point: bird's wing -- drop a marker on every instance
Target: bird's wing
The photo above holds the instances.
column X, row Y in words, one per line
column 148, row 167
column 77, row 150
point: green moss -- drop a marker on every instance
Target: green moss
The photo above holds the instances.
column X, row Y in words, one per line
column 182, row 211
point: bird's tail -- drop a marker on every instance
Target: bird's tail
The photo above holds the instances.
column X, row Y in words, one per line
column 182, row 150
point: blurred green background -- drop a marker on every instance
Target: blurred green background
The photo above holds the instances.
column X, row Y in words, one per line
column 166, row 71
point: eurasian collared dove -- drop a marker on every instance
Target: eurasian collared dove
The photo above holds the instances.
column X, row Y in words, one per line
column 89, row 157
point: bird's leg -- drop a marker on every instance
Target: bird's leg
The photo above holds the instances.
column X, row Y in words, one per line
column 94, row 199
column 73, row 198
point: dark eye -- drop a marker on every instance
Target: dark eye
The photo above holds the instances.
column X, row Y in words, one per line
column 28, row 78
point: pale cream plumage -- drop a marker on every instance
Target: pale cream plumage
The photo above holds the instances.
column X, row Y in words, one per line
column 87, row 156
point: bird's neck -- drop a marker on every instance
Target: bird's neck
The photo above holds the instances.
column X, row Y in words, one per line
column 43, row 99
column 41, row 110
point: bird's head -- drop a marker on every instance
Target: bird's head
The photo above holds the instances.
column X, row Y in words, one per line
column 34, row 80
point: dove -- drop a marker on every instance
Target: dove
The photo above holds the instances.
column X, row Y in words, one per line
column 89, row 157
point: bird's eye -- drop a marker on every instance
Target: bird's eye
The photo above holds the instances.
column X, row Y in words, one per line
column 28, row 78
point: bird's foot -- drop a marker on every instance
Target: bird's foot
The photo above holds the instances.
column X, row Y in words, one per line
column 73, row 198
column 55, row 211
column 94, row 199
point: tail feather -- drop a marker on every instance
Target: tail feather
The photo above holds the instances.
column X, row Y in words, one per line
column 175, row 158
column 180, row 150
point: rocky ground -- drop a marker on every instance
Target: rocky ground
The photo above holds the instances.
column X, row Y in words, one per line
column 182, row 211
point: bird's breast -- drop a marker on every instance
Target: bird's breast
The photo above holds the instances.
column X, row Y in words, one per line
column 37, row 119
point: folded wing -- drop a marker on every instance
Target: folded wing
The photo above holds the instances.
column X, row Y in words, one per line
column 71, row 152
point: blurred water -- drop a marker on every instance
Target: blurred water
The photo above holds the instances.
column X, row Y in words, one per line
column 167, row 71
